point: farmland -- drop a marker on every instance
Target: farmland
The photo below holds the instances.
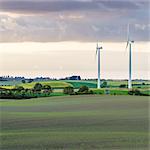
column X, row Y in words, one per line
column 54, row 84
column 75, row 123
column 59, row 84
column 20, row 90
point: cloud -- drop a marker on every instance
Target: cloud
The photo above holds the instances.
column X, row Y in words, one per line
column 45, row 6
column 73, row 20
column 65, row 5
column 142, row 26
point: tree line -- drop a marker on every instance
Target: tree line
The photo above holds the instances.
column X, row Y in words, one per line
column 19, row 92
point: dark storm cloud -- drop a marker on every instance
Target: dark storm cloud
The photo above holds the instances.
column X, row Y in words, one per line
column 58, row 6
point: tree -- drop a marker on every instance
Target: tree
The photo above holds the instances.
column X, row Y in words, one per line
column 68, row 90
column 134, row 92
column 122, row 86
column 23, row 81
column 137, row 92
column 37, row 87
column 47, row 88
column 104, row 84
column 83, row 89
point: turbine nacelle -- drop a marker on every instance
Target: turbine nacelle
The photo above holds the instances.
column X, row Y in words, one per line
column 99, row 48
column 129, row 42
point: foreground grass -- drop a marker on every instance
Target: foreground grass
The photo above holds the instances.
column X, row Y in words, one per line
column 75, row 123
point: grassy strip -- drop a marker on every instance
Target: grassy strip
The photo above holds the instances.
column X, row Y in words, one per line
column 111, row 91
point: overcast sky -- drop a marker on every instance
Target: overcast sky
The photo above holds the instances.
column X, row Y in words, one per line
column 58, row 37
column 73, row 20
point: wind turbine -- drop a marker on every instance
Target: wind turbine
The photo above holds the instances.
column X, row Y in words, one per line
column 129, row 43
column 98, row 54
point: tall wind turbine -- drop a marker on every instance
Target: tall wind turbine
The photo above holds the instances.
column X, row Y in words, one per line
column 98, row 53
column 129, row 43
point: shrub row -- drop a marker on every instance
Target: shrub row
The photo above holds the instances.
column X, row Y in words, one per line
column 20, row 93
column 137, row 92
column 82, row 90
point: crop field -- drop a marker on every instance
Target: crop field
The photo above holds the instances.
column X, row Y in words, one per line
column 75, row 123
column 53, row 84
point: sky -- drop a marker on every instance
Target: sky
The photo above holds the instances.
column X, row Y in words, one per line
column 58, row 37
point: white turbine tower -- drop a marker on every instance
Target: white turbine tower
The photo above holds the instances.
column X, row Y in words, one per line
column 98, row 53
column 129, row 43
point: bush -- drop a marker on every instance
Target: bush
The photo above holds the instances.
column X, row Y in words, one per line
column 123, row 86
column 83, row 89
column 68, row 90
column 11, row 94
column 104, row 84
column 23, row 81
column 134, row 92
column 47, row 88
column 137, row 92
column 91, row 92
column 37, row 87
column 107, row 92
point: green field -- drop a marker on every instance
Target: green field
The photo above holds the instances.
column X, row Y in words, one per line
column 77, row 84
column 59, row 84
column 75, row 123
column 53, row 84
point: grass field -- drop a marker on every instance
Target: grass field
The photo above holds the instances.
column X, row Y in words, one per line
column 10, row 83
column 53, row 84
column 77, row 84
column 75, row 123
column 74, row 83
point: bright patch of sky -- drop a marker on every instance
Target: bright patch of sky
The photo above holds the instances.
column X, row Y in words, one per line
column 73, row 58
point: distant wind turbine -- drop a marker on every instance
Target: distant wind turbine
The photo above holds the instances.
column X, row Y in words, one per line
column 129, row 43
column 98, row 54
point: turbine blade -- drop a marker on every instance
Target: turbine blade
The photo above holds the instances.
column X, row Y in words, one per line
column 96, row 51
column 127, row 45
column 96, row 48
column 128, row 32
column 128, row 36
